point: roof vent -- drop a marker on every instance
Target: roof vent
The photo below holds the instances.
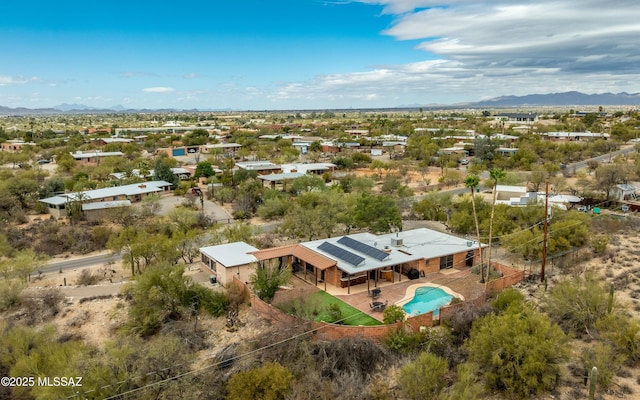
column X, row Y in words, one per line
column 396, row 242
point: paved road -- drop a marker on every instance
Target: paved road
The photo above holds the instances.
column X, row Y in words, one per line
column 603, row 158
column 81, row 262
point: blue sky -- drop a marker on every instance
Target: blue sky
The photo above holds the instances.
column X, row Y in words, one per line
column 311, row 54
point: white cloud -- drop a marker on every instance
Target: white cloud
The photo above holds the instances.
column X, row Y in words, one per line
column 15, row 80
column 158, row 89
column 479, row 49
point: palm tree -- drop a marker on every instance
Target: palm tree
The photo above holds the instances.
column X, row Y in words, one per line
column 472, row 182
column 496, row 174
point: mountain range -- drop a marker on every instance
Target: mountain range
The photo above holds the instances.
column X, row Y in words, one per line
column 563, row 99
column 568, row 99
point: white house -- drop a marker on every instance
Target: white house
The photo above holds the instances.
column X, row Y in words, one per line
column 225, row 261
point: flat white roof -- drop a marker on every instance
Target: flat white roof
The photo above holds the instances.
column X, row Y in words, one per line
column 231, row 254
column 125, row 190
column 304, row 168
column 80, row 154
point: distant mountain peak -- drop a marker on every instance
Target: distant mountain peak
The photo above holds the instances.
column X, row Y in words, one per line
column 64, row 107
column 572, row 98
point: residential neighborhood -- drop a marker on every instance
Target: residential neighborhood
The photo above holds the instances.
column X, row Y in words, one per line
column 368, row 233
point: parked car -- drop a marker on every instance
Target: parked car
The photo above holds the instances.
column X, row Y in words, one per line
column 464, row 161
column 43, row 162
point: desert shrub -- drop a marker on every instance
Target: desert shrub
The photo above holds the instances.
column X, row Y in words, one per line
column 87, row 278
column 393, row 314
column 519, row 351
column 266, row 281
column 349, row 355
column 466, row 385
column 598, row 243
column 576, row 304
column 623, row 333
column 307, row 307
column 398, row 339
column 268, row 382
column 461, row 322
column 423, row 378
column 162, row 293
column 508, row 297
column 10, row 290
column 334, row 313
column 606, row 359
column 41, row 307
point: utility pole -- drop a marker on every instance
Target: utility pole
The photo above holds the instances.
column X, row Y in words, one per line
column 546, row 229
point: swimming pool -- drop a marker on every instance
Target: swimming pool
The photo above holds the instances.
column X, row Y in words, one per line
column 427, row 298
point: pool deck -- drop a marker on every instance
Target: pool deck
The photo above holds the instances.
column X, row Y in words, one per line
column 459, row 283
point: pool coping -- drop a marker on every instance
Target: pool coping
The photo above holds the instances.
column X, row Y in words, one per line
column 411, row 292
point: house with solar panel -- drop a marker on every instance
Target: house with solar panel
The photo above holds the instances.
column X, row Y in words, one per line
column 366, row 258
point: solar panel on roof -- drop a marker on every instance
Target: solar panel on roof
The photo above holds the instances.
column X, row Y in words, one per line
column 342, row 254
column 363, row 248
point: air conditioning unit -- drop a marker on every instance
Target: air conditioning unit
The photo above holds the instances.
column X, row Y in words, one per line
column 396, row 242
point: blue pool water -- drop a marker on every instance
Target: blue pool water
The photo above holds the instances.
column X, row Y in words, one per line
column 427, row 298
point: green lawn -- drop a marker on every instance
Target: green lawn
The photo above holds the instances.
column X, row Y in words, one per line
column 359, row 318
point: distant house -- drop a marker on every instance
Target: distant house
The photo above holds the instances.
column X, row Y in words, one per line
column 226, row 149
column 94, row 157
column 105, row 141
column 573, row 136
column 506, row 151
column 99, row 211
column 179, row 172
column 15, row 145
column 515, row 195
column 261, row 167
column 517, row 118
column 225, row 261
column 111, row 196
column 309, row 168
column 623, row 191
column 179, row 151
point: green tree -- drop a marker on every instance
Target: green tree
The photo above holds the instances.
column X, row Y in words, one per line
column 609, row 175
column 393, row 314
column 266, row 280
column 162, row 172
column 204, row 169
column 271, row 381
column 578, row 303
column 377, row 213
column 315, row 146
column 472, row 182
column 66, row 163
column 162, row 293
column 22, row 188
column 196, row 137
column 495, row 175
column 423, row 378
column 519, row 351
column 307, row 183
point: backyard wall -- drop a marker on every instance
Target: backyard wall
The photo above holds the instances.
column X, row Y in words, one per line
column 328, row 331
column 510, row 276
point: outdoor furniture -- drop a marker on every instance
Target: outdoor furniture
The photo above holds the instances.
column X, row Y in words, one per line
column 378, row 305
column 375, row 293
